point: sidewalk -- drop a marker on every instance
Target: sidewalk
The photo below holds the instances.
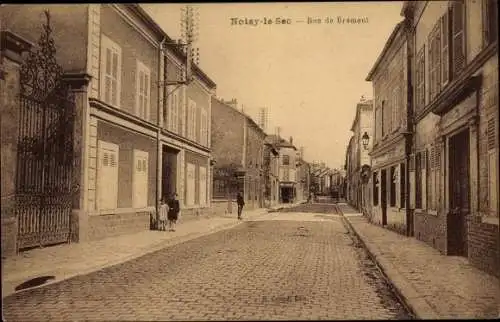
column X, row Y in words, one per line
column 433, row 285
column 66, row 261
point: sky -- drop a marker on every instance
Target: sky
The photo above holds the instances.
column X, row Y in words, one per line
column 309, row 75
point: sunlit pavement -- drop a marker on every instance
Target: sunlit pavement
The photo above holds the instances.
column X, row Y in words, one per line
column 285, row 265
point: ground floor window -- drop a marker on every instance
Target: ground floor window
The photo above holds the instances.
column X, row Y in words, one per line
column 140, row 179
column 402, row 185
column 203, row 185
column 392, row 190
column 107, row 175
column 375, row 188
column 190, row 184
column 419, row 165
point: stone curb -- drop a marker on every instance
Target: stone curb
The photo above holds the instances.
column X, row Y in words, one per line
column 62, row 276
column 406, row 293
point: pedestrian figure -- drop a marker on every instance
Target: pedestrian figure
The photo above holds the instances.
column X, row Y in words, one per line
column 164, row 209
column 173, row 212
column 241, row 203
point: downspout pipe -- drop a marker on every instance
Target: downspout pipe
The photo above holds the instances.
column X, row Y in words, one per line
column 409, row 124
column 158, row 127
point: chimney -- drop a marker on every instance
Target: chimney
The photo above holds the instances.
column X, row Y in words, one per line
column 233, row 103
column 291, row 140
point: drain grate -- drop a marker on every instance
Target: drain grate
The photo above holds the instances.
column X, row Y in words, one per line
column 34, row 282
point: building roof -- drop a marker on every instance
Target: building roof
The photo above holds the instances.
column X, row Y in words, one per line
column 248, row 117
column 387, row 46
column 358, row 107
column 280, row 142
column 137, row 9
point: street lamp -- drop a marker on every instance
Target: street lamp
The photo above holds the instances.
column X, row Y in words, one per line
column 365, row 139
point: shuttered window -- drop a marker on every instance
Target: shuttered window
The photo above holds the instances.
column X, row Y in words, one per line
column 434, row 55
column 458, row 40
column 140, row 179
column 393, row 187
column 445, row 49
column 203, row 185
column 492, row 167
column 396, row 108
column 107, row 176
column 490, row 21
column 375, row 188
column 402, row 185
column 110, row 65
column 190, row 184
column 143, row 91
column 203, row 127
column 191, row 125
column 433, row 177
column 419, row 175
column 420, row 80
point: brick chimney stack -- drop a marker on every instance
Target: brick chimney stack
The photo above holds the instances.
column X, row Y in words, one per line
column 291, row 140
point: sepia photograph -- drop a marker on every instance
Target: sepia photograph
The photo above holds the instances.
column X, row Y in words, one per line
column 250, row 161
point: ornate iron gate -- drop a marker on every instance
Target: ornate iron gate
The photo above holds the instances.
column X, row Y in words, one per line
column 45, row 149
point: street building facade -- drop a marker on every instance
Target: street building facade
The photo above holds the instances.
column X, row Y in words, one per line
column 391, row 140
column 303, row 176
column 358, row 159
column 128, row 148
column 287, row 168
column 238, row 150
column 455, row 159
column 271, row 173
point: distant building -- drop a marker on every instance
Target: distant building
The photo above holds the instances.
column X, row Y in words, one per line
column 287, row 169
column 357, row 158
column 392, row 140
column 238, row 149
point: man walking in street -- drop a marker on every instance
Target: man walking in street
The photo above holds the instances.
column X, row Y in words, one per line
column 241, row 203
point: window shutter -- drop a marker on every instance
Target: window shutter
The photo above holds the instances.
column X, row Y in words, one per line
column 458, row 36
column 445, row 52
column 490, row 21
column 146, row 96
column 491, row 134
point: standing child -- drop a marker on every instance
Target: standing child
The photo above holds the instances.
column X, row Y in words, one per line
column 164, row 209
column 173, row 213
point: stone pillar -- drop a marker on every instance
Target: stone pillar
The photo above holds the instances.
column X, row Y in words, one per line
column 12, row 46
column 79, row 220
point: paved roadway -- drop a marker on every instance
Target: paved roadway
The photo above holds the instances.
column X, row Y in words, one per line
column 291, row 265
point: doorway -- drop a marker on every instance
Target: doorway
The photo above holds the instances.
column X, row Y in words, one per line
column 169, row 171
column 383, row 196
column 459, row 192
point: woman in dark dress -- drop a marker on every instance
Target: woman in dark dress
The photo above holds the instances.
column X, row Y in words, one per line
column 173, row 212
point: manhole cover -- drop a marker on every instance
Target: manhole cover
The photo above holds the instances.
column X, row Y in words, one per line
column 37, row 281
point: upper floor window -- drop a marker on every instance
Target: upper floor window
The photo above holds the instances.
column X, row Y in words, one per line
column 420, row 79
column 490, row 21
column 173, row 112
column 286, row 160
column 458, row 39
column 191, row 125
column 110, row 72
column 203, row 127
column 434, row 54
column 383, row 111
column 396, row 108
column 143, row 91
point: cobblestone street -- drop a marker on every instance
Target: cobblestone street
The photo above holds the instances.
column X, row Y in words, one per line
column 297, row 265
